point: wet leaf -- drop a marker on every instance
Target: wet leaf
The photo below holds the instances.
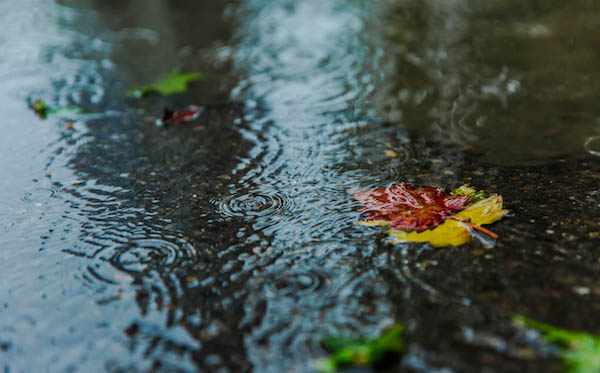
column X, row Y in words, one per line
column 43, row 110
column 457, row 232
column 579, row 351
column 168, row 84
column 453, row 217
column 474, row 195
column 408, row 208
column 347, row 352
column 40, row 108
column 171, row 116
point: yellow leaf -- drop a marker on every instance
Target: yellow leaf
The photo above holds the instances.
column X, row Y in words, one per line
column 463, row 190
column 453, row 232
column 450, row 232
column 485, row 211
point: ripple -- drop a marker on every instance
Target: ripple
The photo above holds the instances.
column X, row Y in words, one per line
column 256, row 204
column 298, row 283
column 140, row 255
column 39, row 195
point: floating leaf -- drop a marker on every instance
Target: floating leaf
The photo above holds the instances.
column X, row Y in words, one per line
column 449, row 220
column 579, row 351
column 347, row 352
column 171, row 116
column 168, row 84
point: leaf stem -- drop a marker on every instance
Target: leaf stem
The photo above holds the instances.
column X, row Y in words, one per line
column 491, row 234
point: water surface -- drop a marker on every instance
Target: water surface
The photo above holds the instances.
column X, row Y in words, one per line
column 228, row 244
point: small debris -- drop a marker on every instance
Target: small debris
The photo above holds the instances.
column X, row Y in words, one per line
column 171, row 116
column 390, row 153
column 581, row 290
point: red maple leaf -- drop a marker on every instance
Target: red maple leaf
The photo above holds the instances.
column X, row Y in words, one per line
column 171, row 116
column 409, row 208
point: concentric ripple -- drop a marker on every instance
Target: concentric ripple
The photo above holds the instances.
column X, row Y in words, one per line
column 254, row 204
column 297, row 283
column 144, row 254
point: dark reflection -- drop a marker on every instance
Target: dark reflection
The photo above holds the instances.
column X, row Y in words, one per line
column 512, row 81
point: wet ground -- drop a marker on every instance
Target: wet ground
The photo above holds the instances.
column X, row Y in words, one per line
column 229, row 244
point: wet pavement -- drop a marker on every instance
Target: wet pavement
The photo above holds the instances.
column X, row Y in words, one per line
column 229, row 244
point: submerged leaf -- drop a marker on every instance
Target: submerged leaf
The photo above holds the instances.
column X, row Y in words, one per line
column 361, row 351
column 579, row 351
column 168, row 84
column 445, row 229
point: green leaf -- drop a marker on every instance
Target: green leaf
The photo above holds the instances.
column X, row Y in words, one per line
column 43, row 110
column 474, row 195
column 168, row 84
column 579, row 351
column 360, row 351
column 40, row 108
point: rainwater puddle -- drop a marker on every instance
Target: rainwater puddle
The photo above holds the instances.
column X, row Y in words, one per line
column 229, row 243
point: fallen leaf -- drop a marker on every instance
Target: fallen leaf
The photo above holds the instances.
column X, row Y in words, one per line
column 168, row 84
column 467, row 190
column 43, row 110
column 40, row 108
column 409, row 208
column 346, row 352
column 171, row 116
column 448, row 220
column 457, row 232
column 580, row 352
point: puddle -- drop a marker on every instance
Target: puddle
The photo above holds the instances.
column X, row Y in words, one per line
column 229, row 243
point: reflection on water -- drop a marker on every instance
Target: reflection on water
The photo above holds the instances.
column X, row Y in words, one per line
column 513, row 81
column 229, row 244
